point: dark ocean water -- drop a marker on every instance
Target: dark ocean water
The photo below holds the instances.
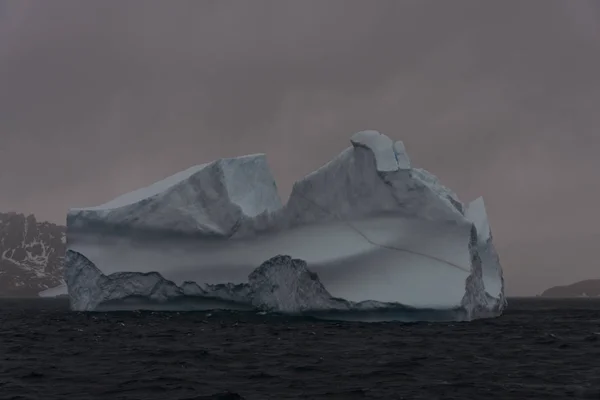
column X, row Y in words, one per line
column 540, row 349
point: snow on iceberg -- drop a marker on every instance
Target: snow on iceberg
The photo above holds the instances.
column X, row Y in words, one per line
column 209, row 200
column 378, row 233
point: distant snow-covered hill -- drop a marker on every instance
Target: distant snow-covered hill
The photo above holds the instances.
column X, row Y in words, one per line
column 31, row 255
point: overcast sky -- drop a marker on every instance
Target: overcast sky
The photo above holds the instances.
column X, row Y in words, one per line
column 497, row 98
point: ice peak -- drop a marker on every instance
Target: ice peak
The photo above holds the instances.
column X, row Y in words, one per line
column 477, row 214
column 401, row 155
column 381, row 146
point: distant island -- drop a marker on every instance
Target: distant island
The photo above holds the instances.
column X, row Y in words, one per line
column 587, row 288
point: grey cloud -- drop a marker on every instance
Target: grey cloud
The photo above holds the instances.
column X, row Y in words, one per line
column 497, row 98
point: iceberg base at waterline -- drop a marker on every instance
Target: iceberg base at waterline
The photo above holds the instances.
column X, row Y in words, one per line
column 366, row 233
column 280, row 285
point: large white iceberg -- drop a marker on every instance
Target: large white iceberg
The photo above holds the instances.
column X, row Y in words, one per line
column 372, row 231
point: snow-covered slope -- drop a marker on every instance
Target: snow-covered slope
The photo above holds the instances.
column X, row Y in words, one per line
column 31, row 255
column 372, row 227
column 209, row 199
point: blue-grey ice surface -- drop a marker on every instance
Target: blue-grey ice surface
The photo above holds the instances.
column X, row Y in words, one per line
column 377, row 233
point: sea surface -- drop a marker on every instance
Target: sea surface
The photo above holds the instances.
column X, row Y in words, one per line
column 540, row 349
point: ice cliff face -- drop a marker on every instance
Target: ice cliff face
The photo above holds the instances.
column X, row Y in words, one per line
column 88, row 287
column 378, row 233
column 280, row 284
column 491, row 270
column 286, row 285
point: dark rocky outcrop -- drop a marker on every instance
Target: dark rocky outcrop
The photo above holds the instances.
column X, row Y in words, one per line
column 31, row 255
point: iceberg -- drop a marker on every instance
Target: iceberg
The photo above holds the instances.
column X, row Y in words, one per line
column 365, row 232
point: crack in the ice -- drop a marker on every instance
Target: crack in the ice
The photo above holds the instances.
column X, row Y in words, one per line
column 365, row 237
